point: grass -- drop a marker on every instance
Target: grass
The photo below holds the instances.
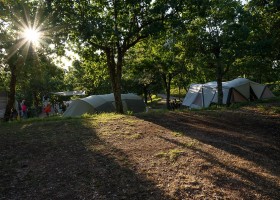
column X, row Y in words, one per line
column 172, row 154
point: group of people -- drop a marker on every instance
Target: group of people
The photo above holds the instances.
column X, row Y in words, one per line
column 19, row 110
column 56, row 108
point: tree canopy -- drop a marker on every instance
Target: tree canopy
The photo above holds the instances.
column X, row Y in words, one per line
column 137, row 45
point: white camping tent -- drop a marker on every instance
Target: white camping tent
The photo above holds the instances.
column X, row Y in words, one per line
column 104, row 103
column 237, row 90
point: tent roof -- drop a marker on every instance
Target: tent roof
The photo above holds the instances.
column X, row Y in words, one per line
column 104, row 103
column 70, row 93
column 229, row 84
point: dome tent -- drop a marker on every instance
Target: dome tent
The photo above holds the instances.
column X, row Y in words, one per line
column 237, row 90
column 104, row 103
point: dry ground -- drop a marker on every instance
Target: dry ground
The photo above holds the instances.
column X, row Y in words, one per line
column 230, row 154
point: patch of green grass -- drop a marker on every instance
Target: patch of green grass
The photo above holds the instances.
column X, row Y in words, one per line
column 130, row 121
column 135, row 136
column 172, row 154
column 191, row 143
column 129, row 112
column 178, row 134
column 276, row 110
column 155, row 98
column 268, row 108
column 105, row 117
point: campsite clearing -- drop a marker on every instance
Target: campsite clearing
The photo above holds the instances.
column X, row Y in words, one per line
column 220, row 154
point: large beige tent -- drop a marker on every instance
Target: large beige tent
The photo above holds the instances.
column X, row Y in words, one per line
column 104, row 103
column 237, row 90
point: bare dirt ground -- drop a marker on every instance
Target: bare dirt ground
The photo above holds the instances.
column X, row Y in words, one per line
column 229, row 154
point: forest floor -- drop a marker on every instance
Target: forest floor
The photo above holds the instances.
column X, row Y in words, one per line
column 208, row 154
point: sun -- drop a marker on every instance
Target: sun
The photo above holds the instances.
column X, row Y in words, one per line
column 32, row 35
column 31, row 31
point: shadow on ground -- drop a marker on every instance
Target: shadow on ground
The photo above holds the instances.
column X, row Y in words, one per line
column 67, row 161
column 251, row 138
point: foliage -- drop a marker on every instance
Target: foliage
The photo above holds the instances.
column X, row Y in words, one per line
column 112, row 27
column 89, row 75
column 262, row 61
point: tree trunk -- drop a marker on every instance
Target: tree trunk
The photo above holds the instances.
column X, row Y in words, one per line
column 145, row 88
column 36, row 103
column 167, row 82
column 219, row 72
column 11, row 95
column 115, row 71
column 219, row 76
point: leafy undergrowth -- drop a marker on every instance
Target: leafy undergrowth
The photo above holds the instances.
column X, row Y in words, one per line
column 208, row 154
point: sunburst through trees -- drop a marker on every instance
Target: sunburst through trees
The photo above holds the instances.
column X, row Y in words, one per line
column 31, row 31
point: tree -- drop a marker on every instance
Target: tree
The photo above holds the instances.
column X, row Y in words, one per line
column 263, row 53
column 18, row 52
column 112, row 26
column 214, row 33
column 168, row 61
column 140, row 72
column 11, row 62
column 88, row 74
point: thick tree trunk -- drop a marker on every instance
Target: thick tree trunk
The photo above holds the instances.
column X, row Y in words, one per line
column 115, row 71
column 11, row 95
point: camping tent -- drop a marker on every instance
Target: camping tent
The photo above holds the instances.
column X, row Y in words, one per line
column 104, row 103
column 237, row 90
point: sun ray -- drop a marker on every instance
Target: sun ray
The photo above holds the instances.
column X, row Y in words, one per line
column 15, row 48
column 32, row 31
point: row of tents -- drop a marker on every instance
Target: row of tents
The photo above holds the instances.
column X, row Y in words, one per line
column 198, row 96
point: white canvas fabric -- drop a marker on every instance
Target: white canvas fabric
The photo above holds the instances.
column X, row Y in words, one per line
column 70, row 93
column 104, row 103
column 237, row 90
column 192, row 94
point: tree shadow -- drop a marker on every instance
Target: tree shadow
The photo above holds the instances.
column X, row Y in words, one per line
column 68, row 162
column 254, row 182
column 255, row 140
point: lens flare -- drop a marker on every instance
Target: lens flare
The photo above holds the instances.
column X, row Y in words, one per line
column 32, row 31
column 32, row 35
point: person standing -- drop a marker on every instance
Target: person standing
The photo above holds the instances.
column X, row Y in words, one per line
column 24, row 109
column 48, row 109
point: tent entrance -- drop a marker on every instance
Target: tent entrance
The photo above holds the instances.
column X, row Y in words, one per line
column 253, row 96
column 237, row 97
